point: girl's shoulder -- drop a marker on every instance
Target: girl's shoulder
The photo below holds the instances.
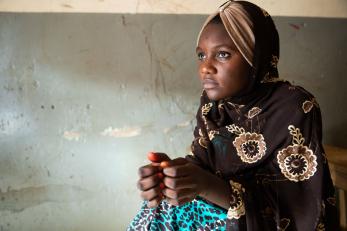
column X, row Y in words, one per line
column 289, row 92
column 288, row 98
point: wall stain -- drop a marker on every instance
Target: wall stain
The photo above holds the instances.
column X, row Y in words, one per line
column 178, row 126
column 122, row 132
column 21, row 199
column 123, row 21
column 295, row 26
column 166, row 63
column 159, row 82
column 72, row 135
column 66, row 6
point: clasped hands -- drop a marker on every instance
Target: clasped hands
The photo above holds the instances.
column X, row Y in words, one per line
column 177, row 180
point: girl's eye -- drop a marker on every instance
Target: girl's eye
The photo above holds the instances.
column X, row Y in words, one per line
column 223, row 55
column 201, row 56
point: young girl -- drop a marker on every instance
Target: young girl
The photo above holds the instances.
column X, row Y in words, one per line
column 257, row 160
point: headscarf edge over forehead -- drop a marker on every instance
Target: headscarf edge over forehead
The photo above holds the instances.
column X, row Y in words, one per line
column 239, row 26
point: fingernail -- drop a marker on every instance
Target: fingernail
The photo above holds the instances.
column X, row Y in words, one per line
column 153, row 157
column 164, row 164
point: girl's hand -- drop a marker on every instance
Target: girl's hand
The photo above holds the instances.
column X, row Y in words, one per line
column 150, row 182
column 183, row 181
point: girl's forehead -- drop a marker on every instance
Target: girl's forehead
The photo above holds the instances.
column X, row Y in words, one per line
column 215, row 34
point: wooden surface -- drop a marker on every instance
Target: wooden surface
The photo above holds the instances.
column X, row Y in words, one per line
column 337, row 158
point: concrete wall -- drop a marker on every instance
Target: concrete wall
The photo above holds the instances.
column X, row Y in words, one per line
column 306, row 8
column 84, row 96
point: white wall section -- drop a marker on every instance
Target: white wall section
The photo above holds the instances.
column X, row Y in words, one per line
column 304, row 8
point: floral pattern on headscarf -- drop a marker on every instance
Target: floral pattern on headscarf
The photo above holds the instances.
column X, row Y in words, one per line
column 237, row 207
column 297, row 161
column 250, row 147
column 308, row 105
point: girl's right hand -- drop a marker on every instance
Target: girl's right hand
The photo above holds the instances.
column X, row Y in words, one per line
column 150, row 182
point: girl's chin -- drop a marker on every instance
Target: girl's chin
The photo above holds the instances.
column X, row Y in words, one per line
column 214, row 95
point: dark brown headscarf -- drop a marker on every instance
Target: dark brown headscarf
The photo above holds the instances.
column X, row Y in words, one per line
column 267, row 141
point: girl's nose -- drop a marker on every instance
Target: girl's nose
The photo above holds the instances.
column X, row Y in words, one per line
column 207, row 68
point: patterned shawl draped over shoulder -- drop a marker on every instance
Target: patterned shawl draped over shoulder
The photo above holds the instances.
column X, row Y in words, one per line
column 266, row 142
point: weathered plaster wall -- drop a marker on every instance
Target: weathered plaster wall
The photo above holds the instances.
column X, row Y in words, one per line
column 306, row 8
column 83, row 97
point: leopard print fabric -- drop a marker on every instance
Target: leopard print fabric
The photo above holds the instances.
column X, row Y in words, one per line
column 195, row 215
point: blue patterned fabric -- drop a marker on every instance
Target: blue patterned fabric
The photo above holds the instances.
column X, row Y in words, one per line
column 196, row 215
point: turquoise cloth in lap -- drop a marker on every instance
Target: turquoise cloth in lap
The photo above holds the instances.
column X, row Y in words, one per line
column 195, row 215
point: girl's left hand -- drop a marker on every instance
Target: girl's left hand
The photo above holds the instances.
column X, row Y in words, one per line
column 183, row 181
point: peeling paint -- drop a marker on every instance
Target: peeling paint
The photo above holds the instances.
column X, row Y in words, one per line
column 21, row 199
column 72, row 135
column 122, row 132
column 12, row 122
column 185, row 123
column 177, row 126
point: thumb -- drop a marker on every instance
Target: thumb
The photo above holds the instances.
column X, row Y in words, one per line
column 157, row 157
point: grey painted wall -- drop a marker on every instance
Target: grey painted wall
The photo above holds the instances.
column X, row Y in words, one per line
column 84, row 97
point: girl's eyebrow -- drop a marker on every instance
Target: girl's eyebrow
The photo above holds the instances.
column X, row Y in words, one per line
column 217, row 46
column 223, row 46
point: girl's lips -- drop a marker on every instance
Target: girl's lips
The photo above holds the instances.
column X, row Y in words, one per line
column 209, row 84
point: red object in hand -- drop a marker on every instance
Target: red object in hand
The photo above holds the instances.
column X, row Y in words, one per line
column 152, row 156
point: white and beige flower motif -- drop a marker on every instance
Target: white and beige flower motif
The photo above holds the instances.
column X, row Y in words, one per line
column 237, row 206
column 253, row 112
column 308, row 105
column 221, row 106
column 320, row 227
column 297, row 162
column 250, row 147
column 205, row 109
column 237, row 107
column 202, row 140
column 271, row 79
column 284, row 223
column 266, row 14
column 211, row 134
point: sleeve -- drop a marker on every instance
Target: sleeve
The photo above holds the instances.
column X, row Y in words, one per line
column 304, row 190
column 292, row 190
column 200, row 146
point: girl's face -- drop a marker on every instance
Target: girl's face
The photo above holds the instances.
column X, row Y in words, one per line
column 223, row 70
